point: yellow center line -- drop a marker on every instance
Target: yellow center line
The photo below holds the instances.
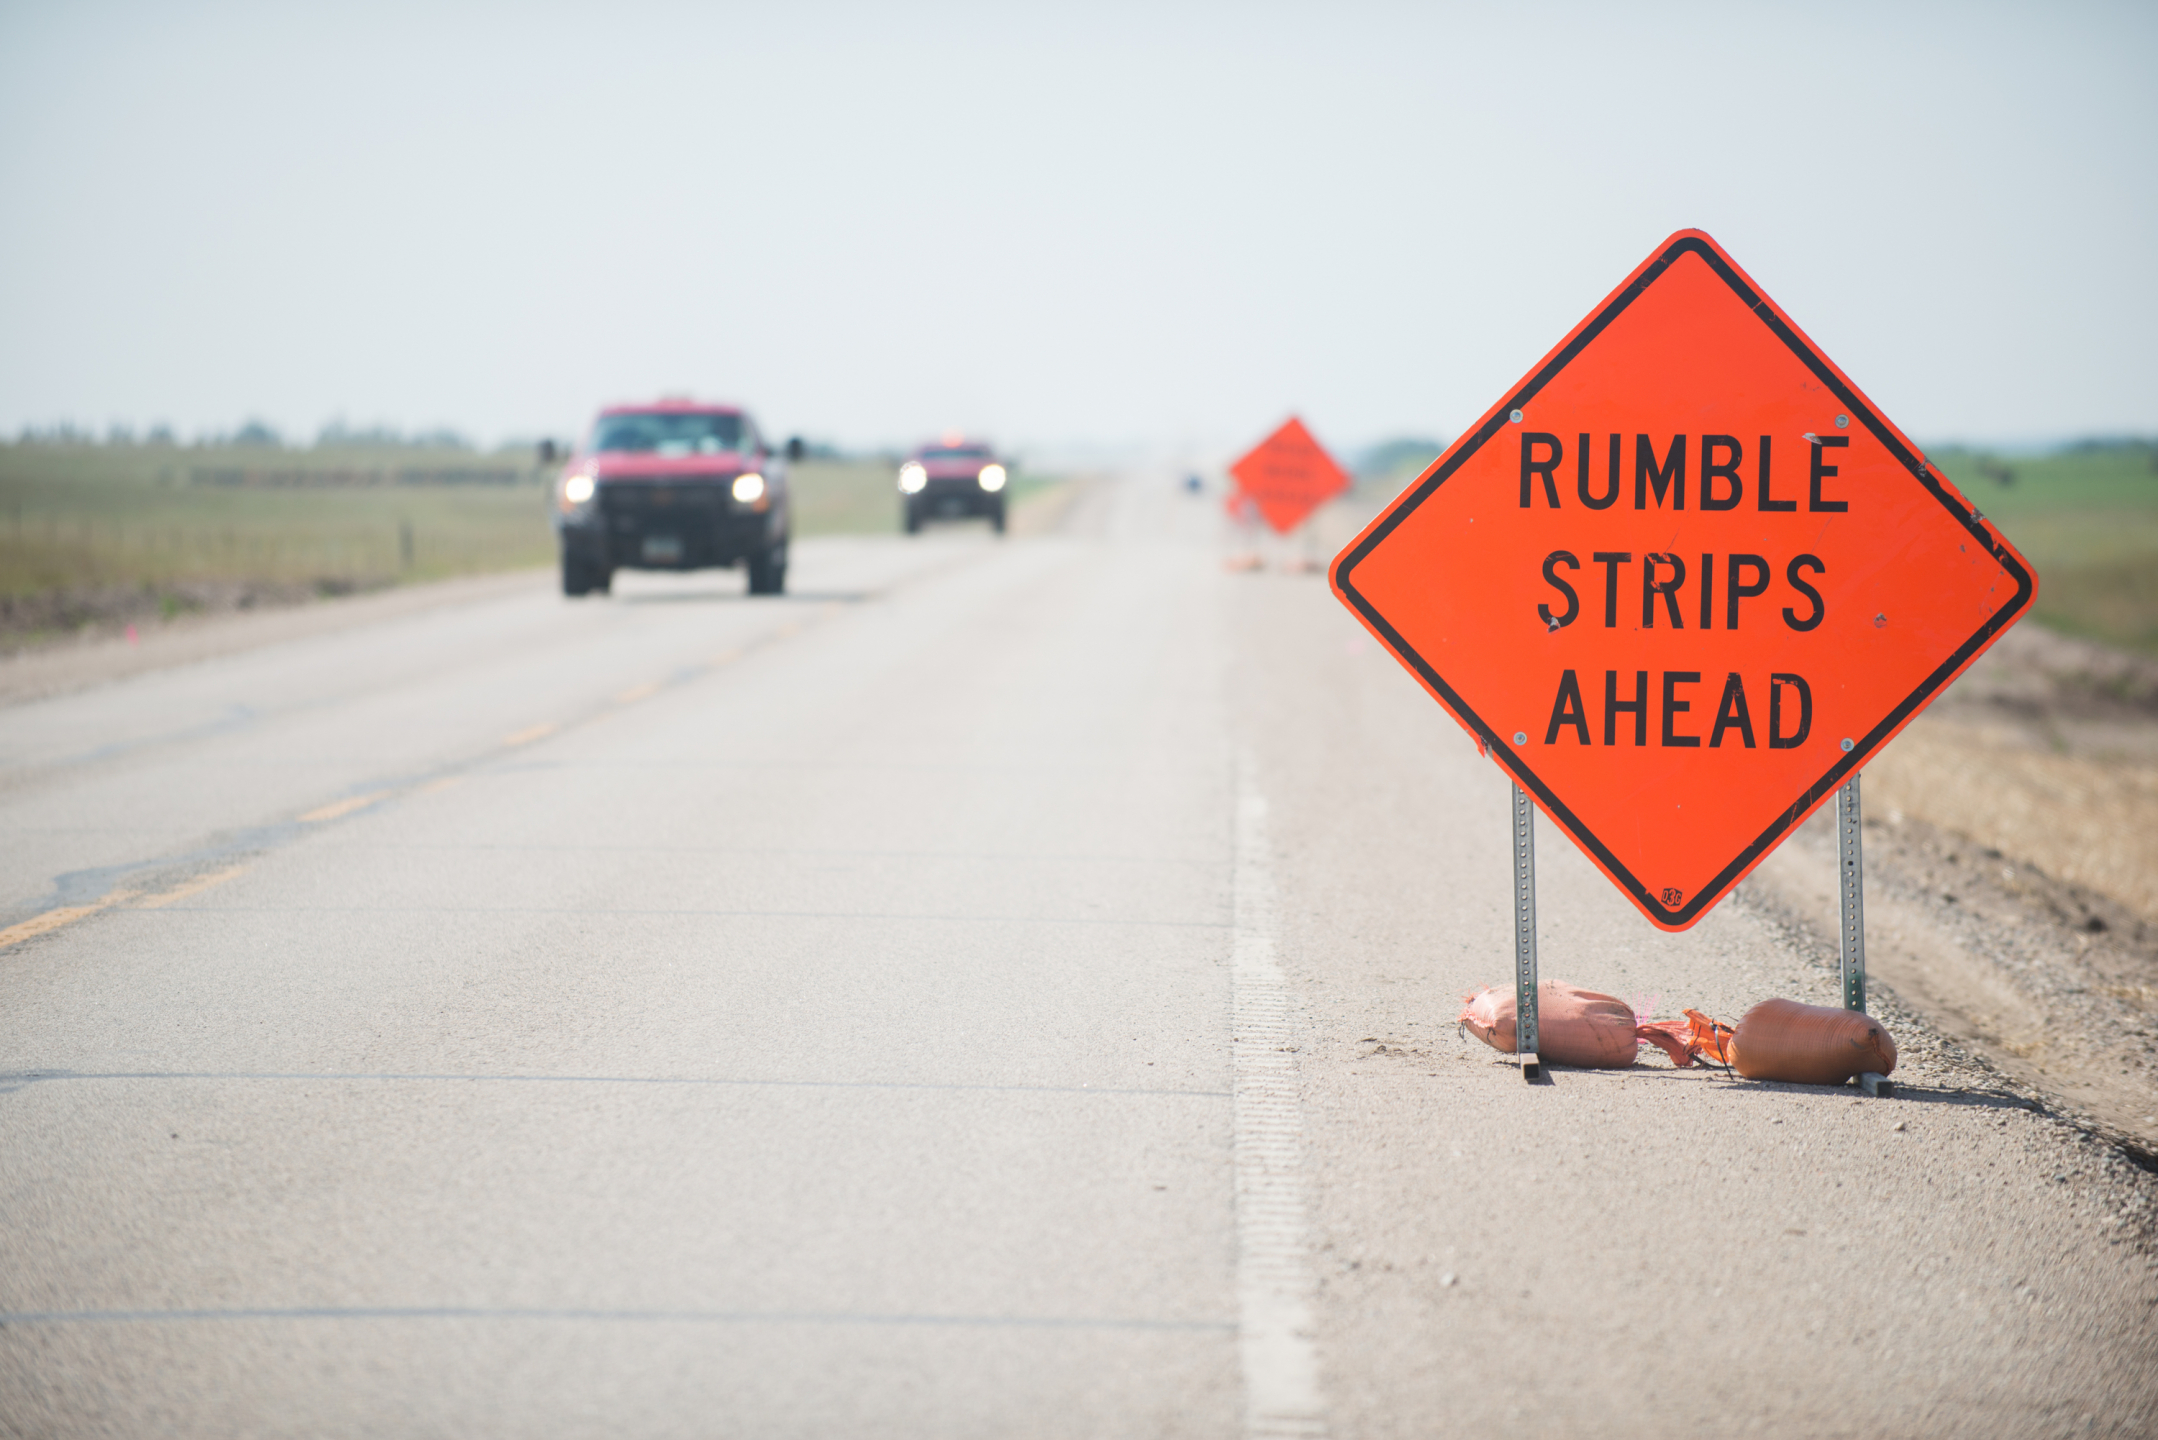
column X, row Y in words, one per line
column 337, row 809
column 342, row 808
column 64, row 915
column 193, row 887
column 52, row 920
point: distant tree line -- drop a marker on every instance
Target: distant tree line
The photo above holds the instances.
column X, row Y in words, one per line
column 255, row 434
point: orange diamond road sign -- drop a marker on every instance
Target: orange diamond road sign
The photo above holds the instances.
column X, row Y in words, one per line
column 1683, row 581
column 1287, row 475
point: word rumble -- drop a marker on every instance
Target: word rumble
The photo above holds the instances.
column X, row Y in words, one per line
column 1663, row 477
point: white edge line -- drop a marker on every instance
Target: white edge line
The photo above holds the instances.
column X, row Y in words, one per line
column 1275, row 1285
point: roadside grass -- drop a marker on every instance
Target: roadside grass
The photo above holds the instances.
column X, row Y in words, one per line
column 122, row 518
column 99, row 535
column 2087, row 519
column 844, row 497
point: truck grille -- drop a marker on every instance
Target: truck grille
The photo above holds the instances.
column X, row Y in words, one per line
column 686, row 501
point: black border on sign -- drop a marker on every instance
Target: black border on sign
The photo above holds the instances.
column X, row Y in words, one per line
column 1838, row 772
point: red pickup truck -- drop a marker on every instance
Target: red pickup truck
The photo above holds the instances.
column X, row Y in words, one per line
column 951, row 477
column 674, row 485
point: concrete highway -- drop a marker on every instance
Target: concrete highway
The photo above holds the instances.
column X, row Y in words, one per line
column 1004, row 988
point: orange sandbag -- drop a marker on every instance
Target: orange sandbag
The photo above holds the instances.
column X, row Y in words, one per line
column 1573, row 1026
column 1809, row 1044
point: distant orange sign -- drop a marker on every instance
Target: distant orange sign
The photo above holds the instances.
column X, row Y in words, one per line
column 1288, row 475
column 1683, row 581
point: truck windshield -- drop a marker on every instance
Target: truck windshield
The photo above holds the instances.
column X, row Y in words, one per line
column 668, row 433
column 956, row 452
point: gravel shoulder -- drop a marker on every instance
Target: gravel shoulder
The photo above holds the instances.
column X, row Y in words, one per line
column 2046, row 750
column 2012, row 875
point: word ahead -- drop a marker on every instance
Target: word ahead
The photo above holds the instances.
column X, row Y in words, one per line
column 1683, row 580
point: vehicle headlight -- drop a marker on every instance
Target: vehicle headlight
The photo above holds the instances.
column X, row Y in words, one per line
column 912, row 477
column 992, row 477
column 749, row 487
column 576, row 489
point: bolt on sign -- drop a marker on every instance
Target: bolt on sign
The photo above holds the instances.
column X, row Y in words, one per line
column 1683, row 581
column 1288, row 475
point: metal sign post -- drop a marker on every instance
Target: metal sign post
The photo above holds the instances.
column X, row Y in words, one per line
column 1525, row 1038
column 1851, row 858
column 1851, row 868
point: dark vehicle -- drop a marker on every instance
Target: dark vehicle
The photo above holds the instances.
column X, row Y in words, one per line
column 957, row 477
column 672, row 486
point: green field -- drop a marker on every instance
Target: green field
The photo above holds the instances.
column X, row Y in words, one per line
column 94, row 518
column 2087, row 519
column 95, row 535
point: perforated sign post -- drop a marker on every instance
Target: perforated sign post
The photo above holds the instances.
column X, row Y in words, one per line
column 1288, row 475
column 1683, row 581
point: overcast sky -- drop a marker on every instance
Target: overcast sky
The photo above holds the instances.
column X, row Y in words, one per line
column 1126, row 225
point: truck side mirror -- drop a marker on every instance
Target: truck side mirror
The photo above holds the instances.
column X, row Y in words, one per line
column 795, row 448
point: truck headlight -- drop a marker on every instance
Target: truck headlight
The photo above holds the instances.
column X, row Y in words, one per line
column 749, row 488
column 577, row 489
column 912, row 477
column 992, row 478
